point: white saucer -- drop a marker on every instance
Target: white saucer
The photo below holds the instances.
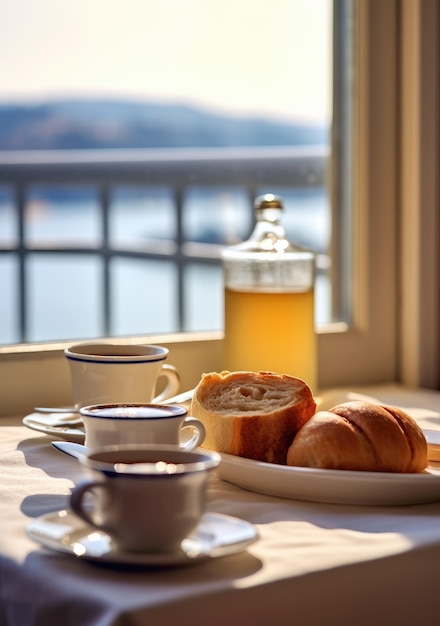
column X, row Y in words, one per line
column 217, row 535
column 41, row 423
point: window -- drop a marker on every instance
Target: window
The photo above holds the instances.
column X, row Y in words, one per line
column 392, row 221
column 229, row 111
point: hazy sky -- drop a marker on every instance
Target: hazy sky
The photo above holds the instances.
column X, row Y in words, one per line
column 246, row 56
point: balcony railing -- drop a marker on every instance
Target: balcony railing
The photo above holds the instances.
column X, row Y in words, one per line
column 251, row 171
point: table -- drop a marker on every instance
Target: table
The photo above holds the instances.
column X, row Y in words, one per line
column 312, row 564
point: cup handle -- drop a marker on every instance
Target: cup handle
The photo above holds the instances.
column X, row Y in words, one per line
column 171, row 373
column 77, row 501
column 198, row 433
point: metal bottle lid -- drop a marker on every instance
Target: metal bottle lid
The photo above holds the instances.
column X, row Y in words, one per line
column 268, row 201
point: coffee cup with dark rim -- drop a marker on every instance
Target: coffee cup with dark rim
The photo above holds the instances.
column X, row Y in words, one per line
column 104, row 372
column 147, row 498
column 134, row 423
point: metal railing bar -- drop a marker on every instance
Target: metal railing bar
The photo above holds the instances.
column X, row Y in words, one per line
column 190, row 251
column 104, row 201
column 300, row 165
column 178, row 203
column 22, row 279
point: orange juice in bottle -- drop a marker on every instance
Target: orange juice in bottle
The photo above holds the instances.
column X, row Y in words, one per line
column 269, row 300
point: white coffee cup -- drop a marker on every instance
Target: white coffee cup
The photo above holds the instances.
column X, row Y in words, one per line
column 147, row 498
column 139, row 423
column 103, row 372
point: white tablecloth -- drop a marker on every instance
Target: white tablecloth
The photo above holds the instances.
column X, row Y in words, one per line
column 312, row 564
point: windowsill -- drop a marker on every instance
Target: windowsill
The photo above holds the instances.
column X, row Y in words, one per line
column 28, row 348
column 175, row 338
column 37, row 374
column 33, row 375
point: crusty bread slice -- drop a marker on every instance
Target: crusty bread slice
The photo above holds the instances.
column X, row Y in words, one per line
column 252, row 414
column 360, row 436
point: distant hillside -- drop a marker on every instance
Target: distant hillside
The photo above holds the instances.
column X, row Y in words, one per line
column 84, row 124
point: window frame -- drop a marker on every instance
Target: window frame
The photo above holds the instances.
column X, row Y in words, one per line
column 393, row 335
column 419, row 193
column 367, row 349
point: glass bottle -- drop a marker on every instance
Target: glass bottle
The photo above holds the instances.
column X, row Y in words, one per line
column 269, row 300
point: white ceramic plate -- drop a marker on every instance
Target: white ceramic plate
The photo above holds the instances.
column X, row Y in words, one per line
column 433, row 440
column 217, row 535
column 41, row 423
column 332, row 486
